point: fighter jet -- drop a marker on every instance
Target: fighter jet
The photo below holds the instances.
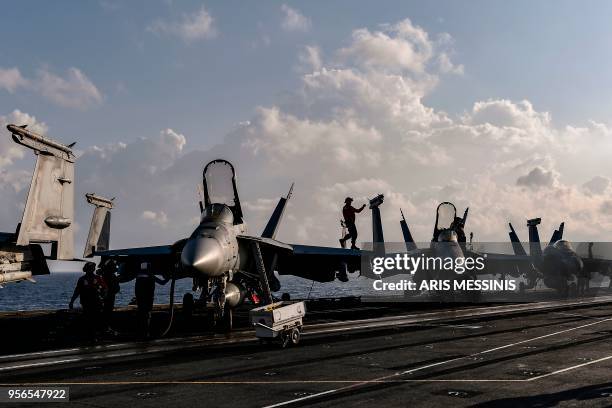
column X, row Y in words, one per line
column 558, row 265
column 48, row 214
column 448, row 241
column 228, row 265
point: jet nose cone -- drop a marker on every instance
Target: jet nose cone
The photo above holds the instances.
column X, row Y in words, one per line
column 205, row 255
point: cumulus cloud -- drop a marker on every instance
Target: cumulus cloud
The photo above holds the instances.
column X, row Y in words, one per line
column 538, row 177
column 357, row 126
column 74, row 90
column 399, row 46
column 293, row 20
column 447, row 67
column 597, row 185
column 199, row 25
column 261, row 204
column 606, row 207
column 310, row 58
column 9, row 150
column 159, row 218
column 11, row 79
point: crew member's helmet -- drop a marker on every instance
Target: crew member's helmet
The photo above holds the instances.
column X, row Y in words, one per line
column 89, row 267
column 348, row 200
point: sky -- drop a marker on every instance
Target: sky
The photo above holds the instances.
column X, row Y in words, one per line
column 500, row 106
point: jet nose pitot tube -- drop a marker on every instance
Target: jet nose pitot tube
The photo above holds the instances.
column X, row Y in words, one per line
column 205, row 255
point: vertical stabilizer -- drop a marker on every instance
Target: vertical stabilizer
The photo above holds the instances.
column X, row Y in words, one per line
column 535, row 249
column 516, row 242
column 274, row 221
column 98, row 238
column 410, row 245
column 558, row 234
column 48, row 216
column 378, row 239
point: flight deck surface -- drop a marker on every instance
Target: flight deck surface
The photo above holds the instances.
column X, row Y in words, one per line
column 559, row 354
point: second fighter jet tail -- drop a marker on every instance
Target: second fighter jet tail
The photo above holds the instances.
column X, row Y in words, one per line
column 98, row 238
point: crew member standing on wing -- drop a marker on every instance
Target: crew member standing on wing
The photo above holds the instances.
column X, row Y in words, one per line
column 348, row 212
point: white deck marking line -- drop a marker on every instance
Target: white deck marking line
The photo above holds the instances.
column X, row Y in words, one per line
column 563, row 370
column 247, row 382
column 37, row 353
column 543, row 337
column 300, row 399
column 44, row 363
column 580, row 315
column 348, row 387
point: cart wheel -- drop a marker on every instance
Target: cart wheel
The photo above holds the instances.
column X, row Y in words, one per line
column 295, row 336
column 284, row 339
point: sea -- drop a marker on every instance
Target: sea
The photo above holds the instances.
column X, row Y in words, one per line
column 53, row 292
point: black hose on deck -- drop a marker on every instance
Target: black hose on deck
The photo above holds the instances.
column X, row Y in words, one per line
column 171, row 306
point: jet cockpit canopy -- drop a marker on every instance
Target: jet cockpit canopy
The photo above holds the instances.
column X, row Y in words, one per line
column 563, row 245
column 219, row 182
column 445, row 215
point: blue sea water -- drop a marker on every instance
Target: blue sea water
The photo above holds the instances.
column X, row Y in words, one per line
column 54, row 291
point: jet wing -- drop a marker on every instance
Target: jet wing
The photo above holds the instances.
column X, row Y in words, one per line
column 316, row 263
column 155, row 260
column 603, row 266
column 507, row 264
column 160, row 250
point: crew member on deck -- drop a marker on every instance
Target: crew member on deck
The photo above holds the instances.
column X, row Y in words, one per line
column 348, row 212
column 111, row 282
column 144, row 289
column 89, row 289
